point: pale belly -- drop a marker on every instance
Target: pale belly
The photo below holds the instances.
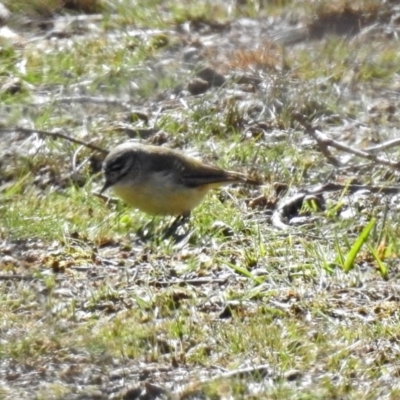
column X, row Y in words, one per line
column 161, row 199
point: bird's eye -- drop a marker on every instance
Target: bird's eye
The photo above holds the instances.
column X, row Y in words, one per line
column 114, row 166
column 120, row 166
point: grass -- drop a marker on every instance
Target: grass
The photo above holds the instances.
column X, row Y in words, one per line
column 93, row 294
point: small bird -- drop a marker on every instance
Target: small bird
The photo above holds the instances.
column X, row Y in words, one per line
column 163, row 181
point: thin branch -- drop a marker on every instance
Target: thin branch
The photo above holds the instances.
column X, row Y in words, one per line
column 332, row 187
column 324, row 142
column 90, row 99
column 384, row 145
column 323, row 147
column 18, row 277
column 58, row 135
column 193, row 282
column 256, row 371
column 106, row 199
column 245, row 372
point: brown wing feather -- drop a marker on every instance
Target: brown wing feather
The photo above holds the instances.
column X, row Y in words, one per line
column 194, row 173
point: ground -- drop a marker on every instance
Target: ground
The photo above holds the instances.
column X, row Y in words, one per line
column 285, row 291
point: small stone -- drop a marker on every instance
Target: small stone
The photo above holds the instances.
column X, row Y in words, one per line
column 198, row 86
column 211, row 76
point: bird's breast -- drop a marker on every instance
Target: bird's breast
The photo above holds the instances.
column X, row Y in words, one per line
column 160, row 194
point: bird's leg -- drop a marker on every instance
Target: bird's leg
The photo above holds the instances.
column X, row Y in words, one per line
column 178, row 221
column 146, row 231
column 181, row 219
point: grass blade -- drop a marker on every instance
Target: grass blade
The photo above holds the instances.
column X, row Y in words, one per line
column 351, row 256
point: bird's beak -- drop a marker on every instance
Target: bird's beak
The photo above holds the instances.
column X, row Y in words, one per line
column 107, row 184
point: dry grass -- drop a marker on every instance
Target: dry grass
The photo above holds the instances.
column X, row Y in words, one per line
column 268, row 57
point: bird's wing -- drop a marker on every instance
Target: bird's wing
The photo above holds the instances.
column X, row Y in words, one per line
column 196, row 174
column 193, row 173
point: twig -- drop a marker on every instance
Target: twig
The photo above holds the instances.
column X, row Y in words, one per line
column 108, row 200
column 18, row 277
column 194, row 282
column 383, row 146
column 54, row 135
column 90, row 99
column 192, row 389
column 244, row 372
column 322, row 145
column 241, row 373
column 324, row 142
column 332, row 187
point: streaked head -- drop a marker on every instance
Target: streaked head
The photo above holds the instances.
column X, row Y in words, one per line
column 122, row 164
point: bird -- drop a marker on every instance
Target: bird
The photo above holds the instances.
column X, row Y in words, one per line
column 163, row 181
